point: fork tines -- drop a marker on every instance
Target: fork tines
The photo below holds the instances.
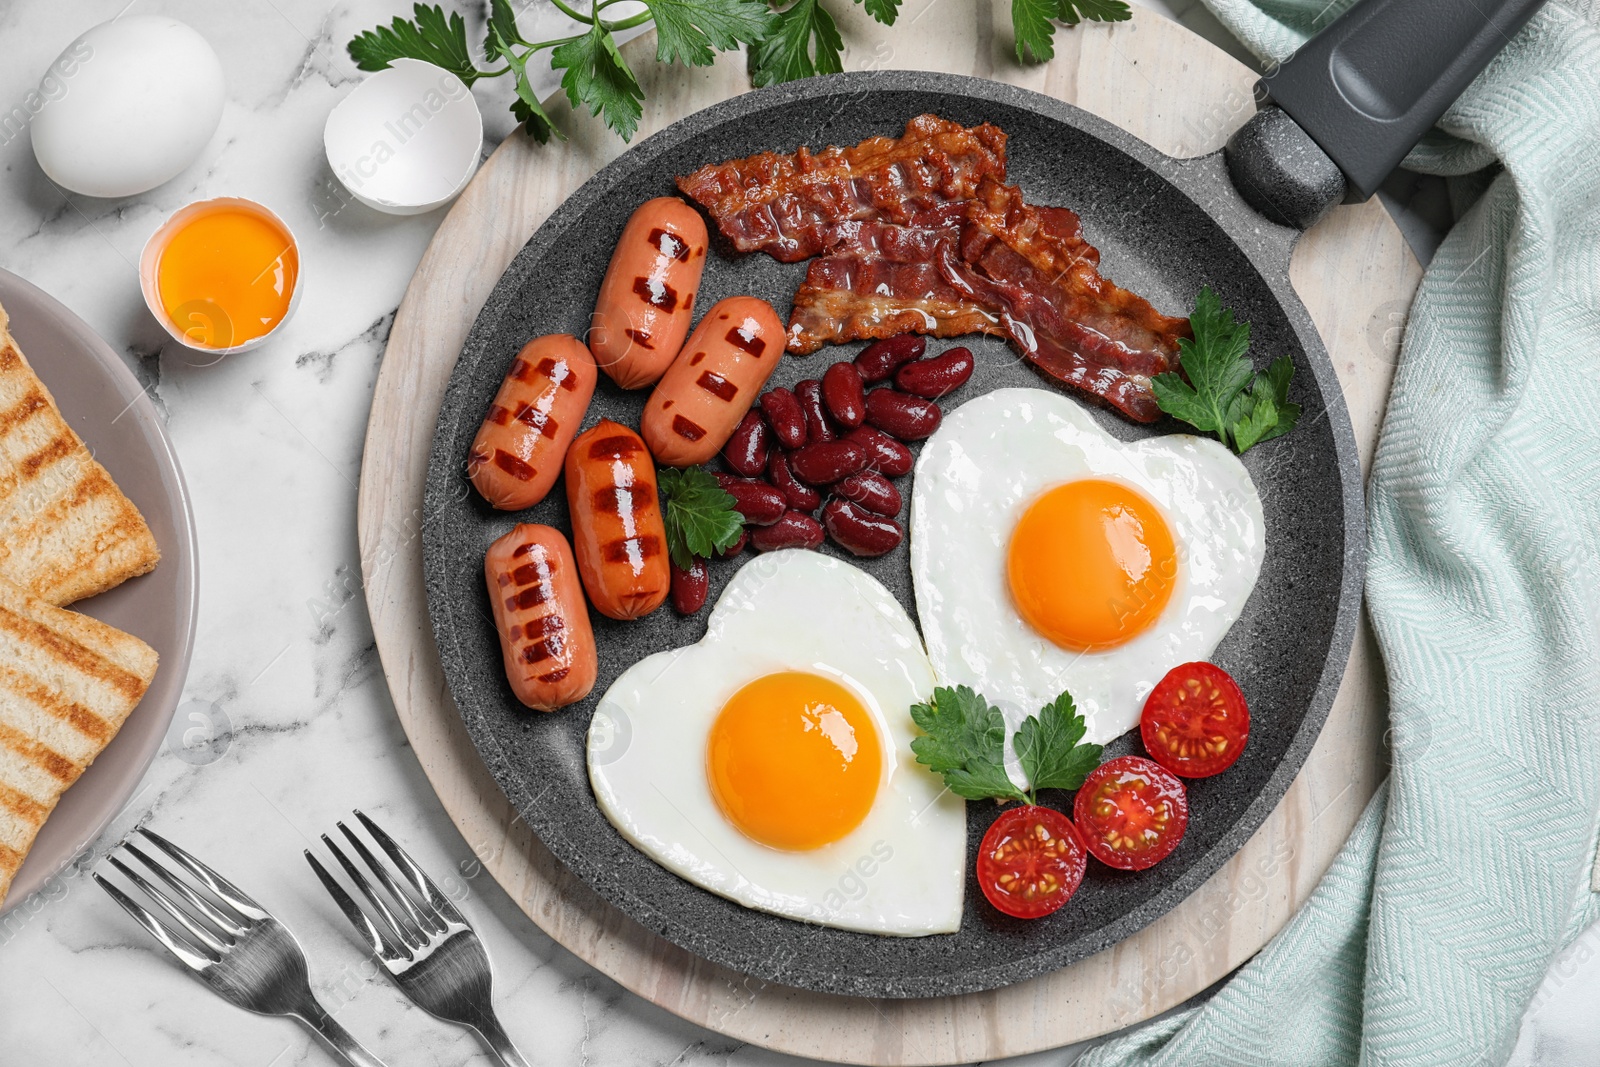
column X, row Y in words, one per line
column 213, row 920
column 407, row 922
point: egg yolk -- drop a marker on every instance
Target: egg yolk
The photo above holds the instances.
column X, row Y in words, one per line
column 1091, row 564
column 794, row 761
column 226, row 276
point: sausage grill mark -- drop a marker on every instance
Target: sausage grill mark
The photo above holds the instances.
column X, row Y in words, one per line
column 513, row 466
column 629, row 498
column 530, row 596
column 656, row 293
column 618, row 446
column 633, row 550
column 747, row 340
column 545, row 648
column 556, row 675
column 669, row 244
column 639, row 337
column 687, row 430
column 717, row 385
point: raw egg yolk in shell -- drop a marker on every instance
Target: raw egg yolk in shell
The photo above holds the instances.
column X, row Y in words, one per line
column 794, row 760
column 1091, row 564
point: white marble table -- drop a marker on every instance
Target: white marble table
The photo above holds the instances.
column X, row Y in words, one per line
column 294, row 726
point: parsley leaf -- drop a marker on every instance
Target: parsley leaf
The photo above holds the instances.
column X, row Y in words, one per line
column 526, row 108
column 597, row 76
column 1034, row 29
column 882, row 10
column 1073, row 11
column 687, row 31
column 700, row 515
column 432, row 38
column 965, row 742
column 1223, row 394
column 803, row 42
column 1031, row 26
column 502, row 24
column 1047, row 744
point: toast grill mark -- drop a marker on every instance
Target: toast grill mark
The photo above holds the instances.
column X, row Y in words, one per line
column 22, row 805
column 70, row 654
column 52, row 703
column 46, row 759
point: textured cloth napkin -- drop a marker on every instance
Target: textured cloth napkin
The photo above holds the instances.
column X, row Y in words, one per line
column 1471, row 868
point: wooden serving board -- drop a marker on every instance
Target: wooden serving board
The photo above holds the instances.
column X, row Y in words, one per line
column 1149, row 76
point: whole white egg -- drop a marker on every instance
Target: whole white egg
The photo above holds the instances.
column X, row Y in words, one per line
column 985, row 578
column 740, row 747
column 126, row 106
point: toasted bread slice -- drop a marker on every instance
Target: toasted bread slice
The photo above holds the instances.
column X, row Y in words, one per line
column 66, row 530
column 67, row 683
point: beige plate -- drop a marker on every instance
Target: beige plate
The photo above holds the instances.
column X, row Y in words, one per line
column 102, row 400
column 1149, row 76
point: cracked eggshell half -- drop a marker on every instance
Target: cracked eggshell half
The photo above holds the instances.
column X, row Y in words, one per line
column 406, row 140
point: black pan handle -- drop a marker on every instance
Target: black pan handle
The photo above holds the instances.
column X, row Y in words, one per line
column 1362, row 93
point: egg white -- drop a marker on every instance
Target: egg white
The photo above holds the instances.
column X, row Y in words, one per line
column 901, row 871
column 978, row 473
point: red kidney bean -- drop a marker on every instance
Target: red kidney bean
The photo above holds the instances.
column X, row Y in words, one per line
column 689, row 587
column 884, row 454
column 801, row 496
column 841, row 391
column 936, row 377
column 879, row 359
column 825, row 462
column 819, row 427
column 758, row 502
column 872, row 491
column 787, row 417
column 901, row 415
column 746, row 450
column 794, row 530
column 737, row 547
column 858, row 530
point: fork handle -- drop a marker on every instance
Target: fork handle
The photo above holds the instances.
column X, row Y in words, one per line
column 487, row 1025
column 323, row 1025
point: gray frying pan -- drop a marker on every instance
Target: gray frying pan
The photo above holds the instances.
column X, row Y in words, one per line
column 1347, row 108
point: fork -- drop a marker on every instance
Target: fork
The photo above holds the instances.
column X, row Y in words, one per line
column 430, row 951
column 245, row 955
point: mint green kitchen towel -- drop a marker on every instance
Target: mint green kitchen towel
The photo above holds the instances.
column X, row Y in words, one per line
column 1429, row 935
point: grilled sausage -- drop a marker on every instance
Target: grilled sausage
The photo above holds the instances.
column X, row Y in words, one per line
column 539, row 610
column 617, row 530
column 647, row 299
column 713, row 382
column 516, row 456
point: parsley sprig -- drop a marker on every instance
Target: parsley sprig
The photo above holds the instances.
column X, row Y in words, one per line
column 796, row 40
column 1224, row 394
column 700, row 516
column 964, row 741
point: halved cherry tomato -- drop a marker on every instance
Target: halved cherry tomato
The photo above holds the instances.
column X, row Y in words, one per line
column 1031, row 861
column 1131, row 813
column 1195, row 722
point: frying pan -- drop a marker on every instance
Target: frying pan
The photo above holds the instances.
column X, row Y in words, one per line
column 1165, row 227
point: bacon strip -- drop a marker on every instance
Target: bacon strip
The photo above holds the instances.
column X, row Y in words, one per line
column 789, row 205
column 880, row 280
column 1059, row 311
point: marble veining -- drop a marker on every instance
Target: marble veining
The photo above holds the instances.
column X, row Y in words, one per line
column 286, row 723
